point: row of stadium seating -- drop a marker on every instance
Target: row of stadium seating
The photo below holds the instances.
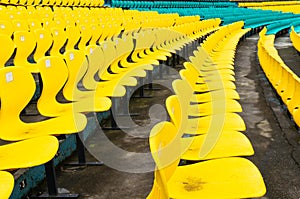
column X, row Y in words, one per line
column 63, row 46
column 284, row 6
column 80, row 3
column 171, row 4
column 283, row 79
column 231, row 15
column 69, row 46
column 208, row 80
column 295, row 38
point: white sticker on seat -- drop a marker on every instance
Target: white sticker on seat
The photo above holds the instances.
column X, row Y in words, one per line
column 2, row 26
column 48, row 63
column 22, row 38
column 71, row 56
column 41, row 36
column 91, row 50
column 9, row 77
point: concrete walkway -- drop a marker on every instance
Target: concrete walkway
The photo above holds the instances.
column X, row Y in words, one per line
column 270, row 130
column 272, row 133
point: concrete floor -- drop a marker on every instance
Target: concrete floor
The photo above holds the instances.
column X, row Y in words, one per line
column 272, row 133
column 270, row 130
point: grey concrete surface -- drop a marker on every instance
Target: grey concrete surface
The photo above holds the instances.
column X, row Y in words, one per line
column 270, row 130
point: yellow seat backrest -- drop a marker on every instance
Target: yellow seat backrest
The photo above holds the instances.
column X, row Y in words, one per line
column 73, row 35
column 44, row 42
column 95, row 60
column 25, row 44
column 77, row 66
column 15, row 82
column 59, row 39
column 20, row 24
column 164, row 145
column 6, row 53
column 86, row 34
column 54, row 74
column 6, row 27
column 34, row 24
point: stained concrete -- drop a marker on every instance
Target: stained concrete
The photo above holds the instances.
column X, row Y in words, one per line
column 270, row 130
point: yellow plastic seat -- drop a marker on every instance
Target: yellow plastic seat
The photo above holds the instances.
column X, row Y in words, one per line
column 109, row 53
column 296, row 117
column 25, row 44
column 48, row 23
column 215, row 107
column 34, row 24
column 295, row 38
column 86, row 35
column 73, row 35
column 214, row 85
column 20, row 81
column 144, row 40
column 59, row 39
column 120, row 66
column 54, row 74
column 215, row 95
column 96, row 34
column 20, row 25
column 44, row 42
column 6, row 53
column 226, row 143
column 221, row 178
column 6, row 28
column 6, row 184
column 103, row 88
column 37, row 151
column 293, row 103
column 230, row 121
column 289, row 91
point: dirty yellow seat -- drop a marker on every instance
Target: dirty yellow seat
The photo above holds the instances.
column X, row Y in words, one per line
column 21, row 82
column 37, row 151
column 6, row 184
column 220, row 178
